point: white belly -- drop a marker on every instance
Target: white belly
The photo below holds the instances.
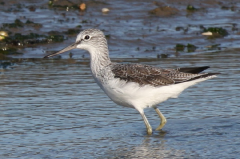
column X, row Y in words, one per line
column 132, row 95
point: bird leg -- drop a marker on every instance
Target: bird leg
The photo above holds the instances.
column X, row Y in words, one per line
column 163, row 119
column 148, row 126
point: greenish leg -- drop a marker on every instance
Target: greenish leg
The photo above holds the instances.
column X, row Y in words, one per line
column 148, row 126
column 163, row 119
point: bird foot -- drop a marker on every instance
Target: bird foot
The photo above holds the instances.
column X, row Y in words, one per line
column 163, row 122
column 149, row 131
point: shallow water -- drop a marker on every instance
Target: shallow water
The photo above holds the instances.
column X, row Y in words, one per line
column 53, row 109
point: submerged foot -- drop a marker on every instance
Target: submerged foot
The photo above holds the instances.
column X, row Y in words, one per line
column 163, row 119
column 149, row 131
column 163, row 122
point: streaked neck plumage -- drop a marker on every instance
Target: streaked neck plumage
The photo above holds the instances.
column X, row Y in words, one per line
column 99, row 57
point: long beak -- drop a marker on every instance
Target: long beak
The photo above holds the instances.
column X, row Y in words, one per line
column 70, row 47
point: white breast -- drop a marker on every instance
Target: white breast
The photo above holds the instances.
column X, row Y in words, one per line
column 132, row 95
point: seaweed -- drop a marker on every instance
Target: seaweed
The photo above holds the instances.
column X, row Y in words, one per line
column 191, row 48
column 217, row 30
column 19, row 24
column 180, row 47
column 191, row 8
column 58, row 5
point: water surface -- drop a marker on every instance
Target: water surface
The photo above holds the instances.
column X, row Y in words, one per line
column 53, row 109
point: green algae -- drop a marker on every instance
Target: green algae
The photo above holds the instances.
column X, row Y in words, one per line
column 217, row 30
column 19, row 24
column 57, row 5
column 189, row 47
column 180, row 47
column 11, row 43
column 191, row 8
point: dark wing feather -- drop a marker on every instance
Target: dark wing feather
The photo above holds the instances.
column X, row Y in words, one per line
column 148, row 75
column 193, row 70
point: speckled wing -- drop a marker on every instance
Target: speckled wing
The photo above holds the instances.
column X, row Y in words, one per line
column 148, row 75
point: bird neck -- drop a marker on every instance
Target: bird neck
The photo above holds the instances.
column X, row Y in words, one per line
column 99, row 59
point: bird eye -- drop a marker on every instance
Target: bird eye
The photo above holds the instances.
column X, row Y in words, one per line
column 87, row 37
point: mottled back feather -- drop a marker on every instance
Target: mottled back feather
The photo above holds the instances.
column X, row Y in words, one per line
column 148, row 75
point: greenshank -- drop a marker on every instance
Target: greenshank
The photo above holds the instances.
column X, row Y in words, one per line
column 134, row 85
